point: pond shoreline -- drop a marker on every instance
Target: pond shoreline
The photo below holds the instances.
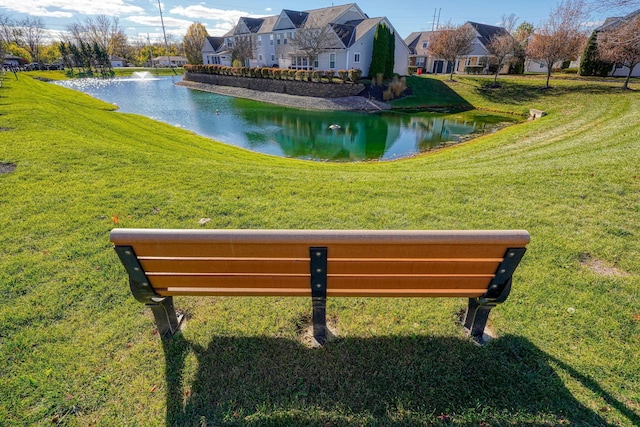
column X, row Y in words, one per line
column 349, row 103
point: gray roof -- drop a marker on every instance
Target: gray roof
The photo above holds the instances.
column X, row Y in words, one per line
column 487, row 32
column 614, row 22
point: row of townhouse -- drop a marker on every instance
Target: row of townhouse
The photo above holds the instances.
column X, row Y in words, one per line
column 346, row 32
column 349, row 34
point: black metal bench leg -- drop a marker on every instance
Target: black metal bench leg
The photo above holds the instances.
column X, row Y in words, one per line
column 318, row 267
column 167, row 320
column 320, row 320
column 476, row 319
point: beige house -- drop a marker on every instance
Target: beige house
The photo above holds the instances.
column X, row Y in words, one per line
column 477, row 61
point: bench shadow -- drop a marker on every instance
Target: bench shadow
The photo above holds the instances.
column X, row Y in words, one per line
column 277, row 381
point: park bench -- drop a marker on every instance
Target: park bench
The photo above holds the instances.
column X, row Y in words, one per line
column 477, row 265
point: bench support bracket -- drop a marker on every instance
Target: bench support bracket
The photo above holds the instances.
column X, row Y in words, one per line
column 167, row 321
column 478, row 310
column 318, row 266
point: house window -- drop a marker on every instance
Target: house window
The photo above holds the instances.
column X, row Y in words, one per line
column 273, row 58
column 315, row 62
column 425, row 44
column 259, row 41
column 356, row 58
column 271, row 39
column 332, row 60
column 260, row 57
column 277, row 38
column 229, row 42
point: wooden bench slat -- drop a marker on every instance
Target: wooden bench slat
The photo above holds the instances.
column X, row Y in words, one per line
column 133, row 236
column 334, row 282
column 275, row 292
column 337, row 250
column 340, row 266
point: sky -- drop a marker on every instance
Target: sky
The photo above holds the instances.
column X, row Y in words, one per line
column 141, row 18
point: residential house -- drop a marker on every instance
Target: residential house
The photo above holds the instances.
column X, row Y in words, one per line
column 212, row 52
column 347, row 34
column 117, row 62
column 12, row 61
column 169, row 61
column 420, row 57
column 613, row 23
column 477, row 61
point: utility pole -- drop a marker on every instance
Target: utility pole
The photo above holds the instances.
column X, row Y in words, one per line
column 166, row 45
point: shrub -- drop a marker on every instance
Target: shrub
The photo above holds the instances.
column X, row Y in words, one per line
column 264, row 72
column 412, row 70
column 316, row 75
column 291, row 74
column 277, row 73
column 329, row 75
column 355, row 74
column 301, row 75
column 343, row 75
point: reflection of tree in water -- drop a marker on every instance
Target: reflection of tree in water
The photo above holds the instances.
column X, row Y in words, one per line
column 307, row 134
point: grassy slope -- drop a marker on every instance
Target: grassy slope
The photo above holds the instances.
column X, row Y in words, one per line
column 79, row 349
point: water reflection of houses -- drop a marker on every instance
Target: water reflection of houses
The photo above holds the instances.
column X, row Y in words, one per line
column 303, row 134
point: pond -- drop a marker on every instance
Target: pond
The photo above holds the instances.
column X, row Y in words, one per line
column 286, row 132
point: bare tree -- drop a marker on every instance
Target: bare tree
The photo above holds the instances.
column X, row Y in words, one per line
column 451, row 42
column 241, row 48
column 502, row 46
column 33, row 32
column 312, row 39
column 620, row 45
column 561, row 37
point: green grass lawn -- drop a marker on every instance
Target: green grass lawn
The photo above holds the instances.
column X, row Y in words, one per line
column 78, row 350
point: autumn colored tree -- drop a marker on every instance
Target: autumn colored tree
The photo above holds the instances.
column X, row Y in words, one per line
column 193, row 42
column 621, row 45
column 451, row 42
column 561, row 37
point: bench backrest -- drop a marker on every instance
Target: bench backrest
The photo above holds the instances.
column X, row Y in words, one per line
column 359, row 262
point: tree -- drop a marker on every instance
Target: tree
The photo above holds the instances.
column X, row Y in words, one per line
column 312, row 39
column 380, row 53
column 241, row 49
column 590, row 62
column 452, row 42
column 502, row 46
column 620, row 45
column 33, row 32
column 560, row 38
column 193, row 42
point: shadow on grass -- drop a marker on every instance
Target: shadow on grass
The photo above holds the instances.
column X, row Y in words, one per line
column 382, row 381
column 431, row 94
column 512, row 93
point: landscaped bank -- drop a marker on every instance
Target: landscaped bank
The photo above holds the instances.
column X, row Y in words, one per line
column 79, row 350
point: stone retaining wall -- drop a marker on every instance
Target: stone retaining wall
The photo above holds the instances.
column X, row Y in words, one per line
column 290, row 87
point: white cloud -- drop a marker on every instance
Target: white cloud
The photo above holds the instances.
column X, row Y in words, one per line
column 67, row 8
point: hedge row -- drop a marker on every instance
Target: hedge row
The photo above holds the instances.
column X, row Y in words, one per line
column 352, row 75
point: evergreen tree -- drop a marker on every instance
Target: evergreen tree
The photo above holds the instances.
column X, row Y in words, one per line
column 380, row 52
column 391, row 54
column 591, row 64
